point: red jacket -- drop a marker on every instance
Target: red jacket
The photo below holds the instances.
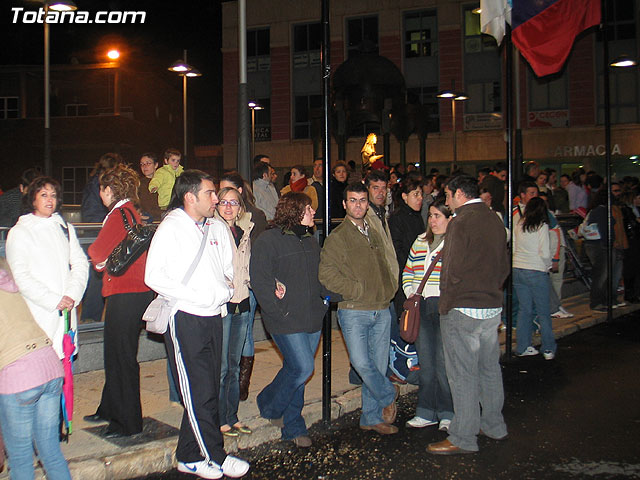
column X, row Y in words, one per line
column 112, row 233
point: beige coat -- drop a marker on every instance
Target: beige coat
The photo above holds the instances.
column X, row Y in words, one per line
column 241, row 257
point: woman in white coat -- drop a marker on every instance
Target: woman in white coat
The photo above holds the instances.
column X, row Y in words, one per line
column 48, row 264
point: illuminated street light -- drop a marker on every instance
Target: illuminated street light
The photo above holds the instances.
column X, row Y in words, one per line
column 57, row 6
column 113, row 54
column 253, row 106
column 182, row 68
column 455, row 97
column 624, row 61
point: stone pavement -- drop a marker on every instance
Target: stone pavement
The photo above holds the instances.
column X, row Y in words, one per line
column 92, row 457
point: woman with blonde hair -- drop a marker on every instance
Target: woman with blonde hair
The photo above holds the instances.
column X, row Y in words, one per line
column 127, row 297
column 231, row 210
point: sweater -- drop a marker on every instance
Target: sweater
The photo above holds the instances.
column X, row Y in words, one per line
column 531, row 250
column 405, row 224
column 241, row 256
column 266, row 197
column 149, row 201
column 162, row 183
column 173, row 249
column 47, row 266
column 309, row 191
column 27, row 358
column 356, row 267
column 474, row 259
column 420, row 258
column 279, row 255
column 112, row 233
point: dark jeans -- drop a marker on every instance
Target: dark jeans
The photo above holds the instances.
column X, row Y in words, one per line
column 597, row 254
column 434, row 395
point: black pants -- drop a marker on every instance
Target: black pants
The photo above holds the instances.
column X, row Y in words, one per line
column 194, row 346
column 121, row 393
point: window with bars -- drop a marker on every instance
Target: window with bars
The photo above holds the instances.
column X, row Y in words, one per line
column 474, row 40
column 9, row 108
column 305, row 107
column 258, row 50
column 74, row 180
column 420, row 34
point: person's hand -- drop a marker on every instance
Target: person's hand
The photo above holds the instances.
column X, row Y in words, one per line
column 66, row 302
column 555, row 267
column 280, row 290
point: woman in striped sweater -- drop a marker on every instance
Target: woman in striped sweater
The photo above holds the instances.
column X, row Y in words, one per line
column 434, row 396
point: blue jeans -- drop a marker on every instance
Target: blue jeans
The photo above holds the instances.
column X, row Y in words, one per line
column 434, row 394
column 34, row 416
column 284, row 396
column 248, row 350
column 234, row 332
column 597, row 253
column 366, row 334
column 533, row 288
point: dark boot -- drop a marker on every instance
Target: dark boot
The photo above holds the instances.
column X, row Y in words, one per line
column 246, row 367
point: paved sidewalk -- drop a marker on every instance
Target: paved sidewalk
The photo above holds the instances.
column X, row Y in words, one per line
column 92, row 457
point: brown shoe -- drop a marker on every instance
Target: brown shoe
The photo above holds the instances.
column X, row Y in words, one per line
column 381, row 428
column 246, row 367
column 395, row 379
column 445, row 447
column 389, row 412
column 303, row 441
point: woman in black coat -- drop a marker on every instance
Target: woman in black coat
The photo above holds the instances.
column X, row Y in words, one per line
column 339, row 180
column 405, row 224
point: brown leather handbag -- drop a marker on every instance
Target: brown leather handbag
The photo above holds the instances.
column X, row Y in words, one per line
column 410, row 318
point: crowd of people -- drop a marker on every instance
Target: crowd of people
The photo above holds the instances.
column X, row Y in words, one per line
column 221, row 250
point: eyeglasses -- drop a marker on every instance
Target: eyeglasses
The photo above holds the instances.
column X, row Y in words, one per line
column 233, row 203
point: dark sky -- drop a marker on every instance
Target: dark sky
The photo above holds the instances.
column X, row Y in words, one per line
column 169, row 28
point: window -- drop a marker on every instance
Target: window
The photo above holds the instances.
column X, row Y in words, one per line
column 548, row 93
column 623, row 82
column 8, row 107
column 74, row 180
column 427, row 97
column 76, row 110
column 258, row 50
column 306, row 106
column 362, row 34
column 484, row 97
column 474, row 40
column 307, row 42
column 420, row 34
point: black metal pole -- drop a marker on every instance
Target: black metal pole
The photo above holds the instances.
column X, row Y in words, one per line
column 326, row 214
column 508, row 52
column 607, row 156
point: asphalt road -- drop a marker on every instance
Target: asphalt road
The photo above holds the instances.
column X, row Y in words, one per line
column 575, row 417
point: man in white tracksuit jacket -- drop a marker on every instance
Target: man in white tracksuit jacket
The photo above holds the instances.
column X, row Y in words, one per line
column 194, row 335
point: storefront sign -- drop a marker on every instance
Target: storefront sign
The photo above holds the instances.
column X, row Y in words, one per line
column 549, row 118
column 482, row 121
column 584, row 150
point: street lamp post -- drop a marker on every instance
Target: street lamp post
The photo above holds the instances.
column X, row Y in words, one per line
column 182, row 68
column 57, row 6
column 455, row 97
column 253, row 106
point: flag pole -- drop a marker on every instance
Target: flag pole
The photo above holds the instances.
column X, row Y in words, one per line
column 508, row 47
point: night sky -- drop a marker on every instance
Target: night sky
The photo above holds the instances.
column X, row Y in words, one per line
column 153, row 46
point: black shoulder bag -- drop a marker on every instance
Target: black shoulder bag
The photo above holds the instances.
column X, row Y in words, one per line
column 135, row 243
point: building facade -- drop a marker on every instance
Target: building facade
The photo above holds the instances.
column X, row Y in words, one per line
column 437, row 45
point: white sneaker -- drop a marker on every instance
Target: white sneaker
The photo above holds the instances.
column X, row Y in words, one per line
column 419, row 422
column 444, row 425
column 548, row 355
column 566, row 312
column 528, row 352
column 562, row 313
column 203, row 469
column 234, row 467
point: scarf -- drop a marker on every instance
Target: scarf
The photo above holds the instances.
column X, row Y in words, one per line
column 299, row 185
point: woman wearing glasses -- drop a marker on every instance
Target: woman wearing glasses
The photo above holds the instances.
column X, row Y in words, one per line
column 231, row 209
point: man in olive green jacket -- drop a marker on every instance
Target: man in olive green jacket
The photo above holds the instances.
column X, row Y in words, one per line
column 353, row 264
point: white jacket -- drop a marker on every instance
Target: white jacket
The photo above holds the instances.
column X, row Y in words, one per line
column 173, row 249
column 266, row 197
column 46, row 267
column 531, row 249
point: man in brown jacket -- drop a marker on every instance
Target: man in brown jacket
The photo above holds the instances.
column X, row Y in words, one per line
column 474, row 268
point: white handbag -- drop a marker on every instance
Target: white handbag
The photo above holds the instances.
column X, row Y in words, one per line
column 159, row 311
